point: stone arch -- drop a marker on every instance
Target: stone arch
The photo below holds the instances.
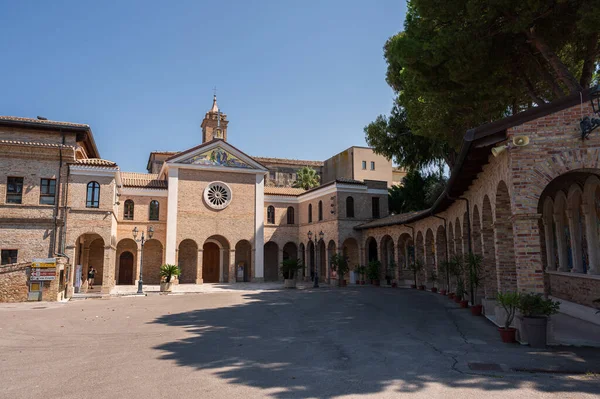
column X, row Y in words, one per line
column 90, row 251
column 406, row 252
column 372, row 249
column 430, row 265
column 488, row 249
column 243, row 258
column 505, row 246
column 127, row 272
column 271, row 261
column 388, row 261
column 187, row 257
column 290, row 251
column 153, row 259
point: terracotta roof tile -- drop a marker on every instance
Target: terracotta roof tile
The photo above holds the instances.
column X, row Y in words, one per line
column 284, row 191
column 40, row 121
column 297, row 162
column 144, row 180
column 95, row 162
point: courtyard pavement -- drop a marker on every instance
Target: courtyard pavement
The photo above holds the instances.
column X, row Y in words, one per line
column 304, row 343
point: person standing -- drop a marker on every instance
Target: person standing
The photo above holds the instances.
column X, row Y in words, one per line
column 91, row 276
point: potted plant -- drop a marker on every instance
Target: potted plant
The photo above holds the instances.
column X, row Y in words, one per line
column 509, row 301
column 535, row 310
column 363, row 274
column 443, row 269
column 432, row 280
column 474, row 276
column 339, row 264
column 460, row 293
column 356, row 272
column 415, row 267
column 166, row 272
column 373, row 271
column 288, row 270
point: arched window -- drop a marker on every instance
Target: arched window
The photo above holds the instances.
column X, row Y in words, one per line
column 349, row 207
column 320, row 210
column 93, row 195
column 309, row 213
column 290, row 215
column 154, row 210
column 128, row 212
column 271, row 214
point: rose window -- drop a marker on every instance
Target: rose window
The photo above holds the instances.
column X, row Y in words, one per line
column 217, row 195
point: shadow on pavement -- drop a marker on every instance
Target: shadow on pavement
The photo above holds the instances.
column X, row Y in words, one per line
column 333, row 342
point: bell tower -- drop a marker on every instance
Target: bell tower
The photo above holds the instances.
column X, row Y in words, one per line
column 214, row 125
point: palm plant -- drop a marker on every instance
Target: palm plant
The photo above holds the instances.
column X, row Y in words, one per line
column 167, row 271
column 289, row 267
column 306, row 178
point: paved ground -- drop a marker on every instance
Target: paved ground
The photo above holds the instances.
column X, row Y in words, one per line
column 352, row 342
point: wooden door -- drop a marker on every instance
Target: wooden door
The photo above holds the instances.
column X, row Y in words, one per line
column 210, row 263
column 126, row 268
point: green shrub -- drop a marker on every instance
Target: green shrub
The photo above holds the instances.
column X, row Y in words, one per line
column 373, row 270
column 167, row 271
column 510, row 302
column 289, row 267
column 535, row 305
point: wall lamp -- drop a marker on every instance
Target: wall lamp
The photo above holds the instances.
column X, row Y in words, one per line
column 588, row 124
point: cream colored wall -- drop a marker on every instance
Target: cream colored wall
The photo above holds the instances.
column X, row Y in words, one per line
column 383, row 167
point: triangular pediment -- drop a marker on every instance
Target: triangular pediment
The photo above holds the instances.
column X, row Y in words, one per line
column 216, row 154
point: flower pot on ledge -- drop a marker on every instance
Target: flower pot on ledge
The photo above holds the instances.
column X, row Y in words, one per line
column 464, row 304
column 394, row 284
column 433, row 289
column 362, row 282
column 476, row 310
column 413, row 286
column 422, row 287
column 507, row 334
column 442, row 292
column 451, row 295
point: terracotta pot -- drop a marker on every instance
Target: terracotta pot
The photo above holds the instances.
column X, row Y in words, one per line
column 464, row 303
column 457, row 299
column 508, row 334
column 413, row 286
column 443, row 292
column 433, row 289
column 362, row 282
column 422, row 287
column 451, row 295
column 476, row 310
column 394, row 285
column 376, row 283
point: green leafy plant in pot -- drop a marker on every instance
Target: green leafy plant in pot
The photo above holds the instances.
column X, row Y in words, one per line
column 391, row 272
column 475, row 272
column 288, row 268
column 415, row 268
column 443, row 270
column 167, row 271
column 339, row 264
column 535, row 310
column 373, row 272
column 433, row 279
column 510, row 302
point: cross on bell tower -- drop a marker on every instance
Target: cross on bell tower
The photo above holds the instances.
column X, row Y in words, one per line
column 214, row 125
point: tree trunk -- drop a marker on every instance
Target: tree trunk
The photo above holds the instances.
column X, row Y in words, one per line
column 557, row 65
column 590, row 61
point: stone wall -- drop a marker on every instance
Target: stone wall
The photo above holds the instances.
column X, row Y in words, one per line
column 576, row 288
column 13, row 282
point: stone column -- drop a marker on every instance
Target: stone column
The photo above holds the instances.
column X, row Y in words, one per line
column 549, row 237
column 232, row 267
column 576, row 254
column 328, row 265
column 279, row 261
column 259, row 229
column 108, row 269
column 199, row 279
column 561, row 243
column 221, row 264
column 528, row 253
column 138, row 262
column 592, row 238
column 306, row 264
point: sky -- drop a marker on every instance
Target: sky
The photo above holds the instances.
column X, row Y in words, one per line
column 297, row 79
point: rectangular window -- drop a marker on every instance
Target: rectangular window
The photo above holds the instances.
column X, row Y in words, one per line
column 9, row 256
column 14, row 190
column 375, row 204
column 47, row 191
column 364, row 165
column 372, row 165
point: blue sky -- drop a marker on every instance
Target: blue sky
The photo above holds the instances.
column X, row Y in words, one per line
column 297, row 79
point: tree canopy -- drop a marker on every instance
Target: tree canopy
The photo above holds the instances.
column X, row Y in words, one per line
column 306, row 178
column 418, row 191
column 462, row 63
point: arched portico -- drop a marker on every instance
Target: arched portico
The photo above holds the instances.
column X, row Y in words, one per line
column 127, row 267
column 188, row 261
column 271, row 261
column 216, row 265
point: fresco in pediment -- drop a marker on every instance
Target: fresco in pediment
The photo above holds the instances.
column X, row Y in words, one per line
column 217, row 157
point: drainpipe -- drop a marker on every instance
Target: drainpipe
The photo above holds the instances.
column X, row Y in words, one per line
column 468, row 238
column 447, row 250
column 64, row 227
